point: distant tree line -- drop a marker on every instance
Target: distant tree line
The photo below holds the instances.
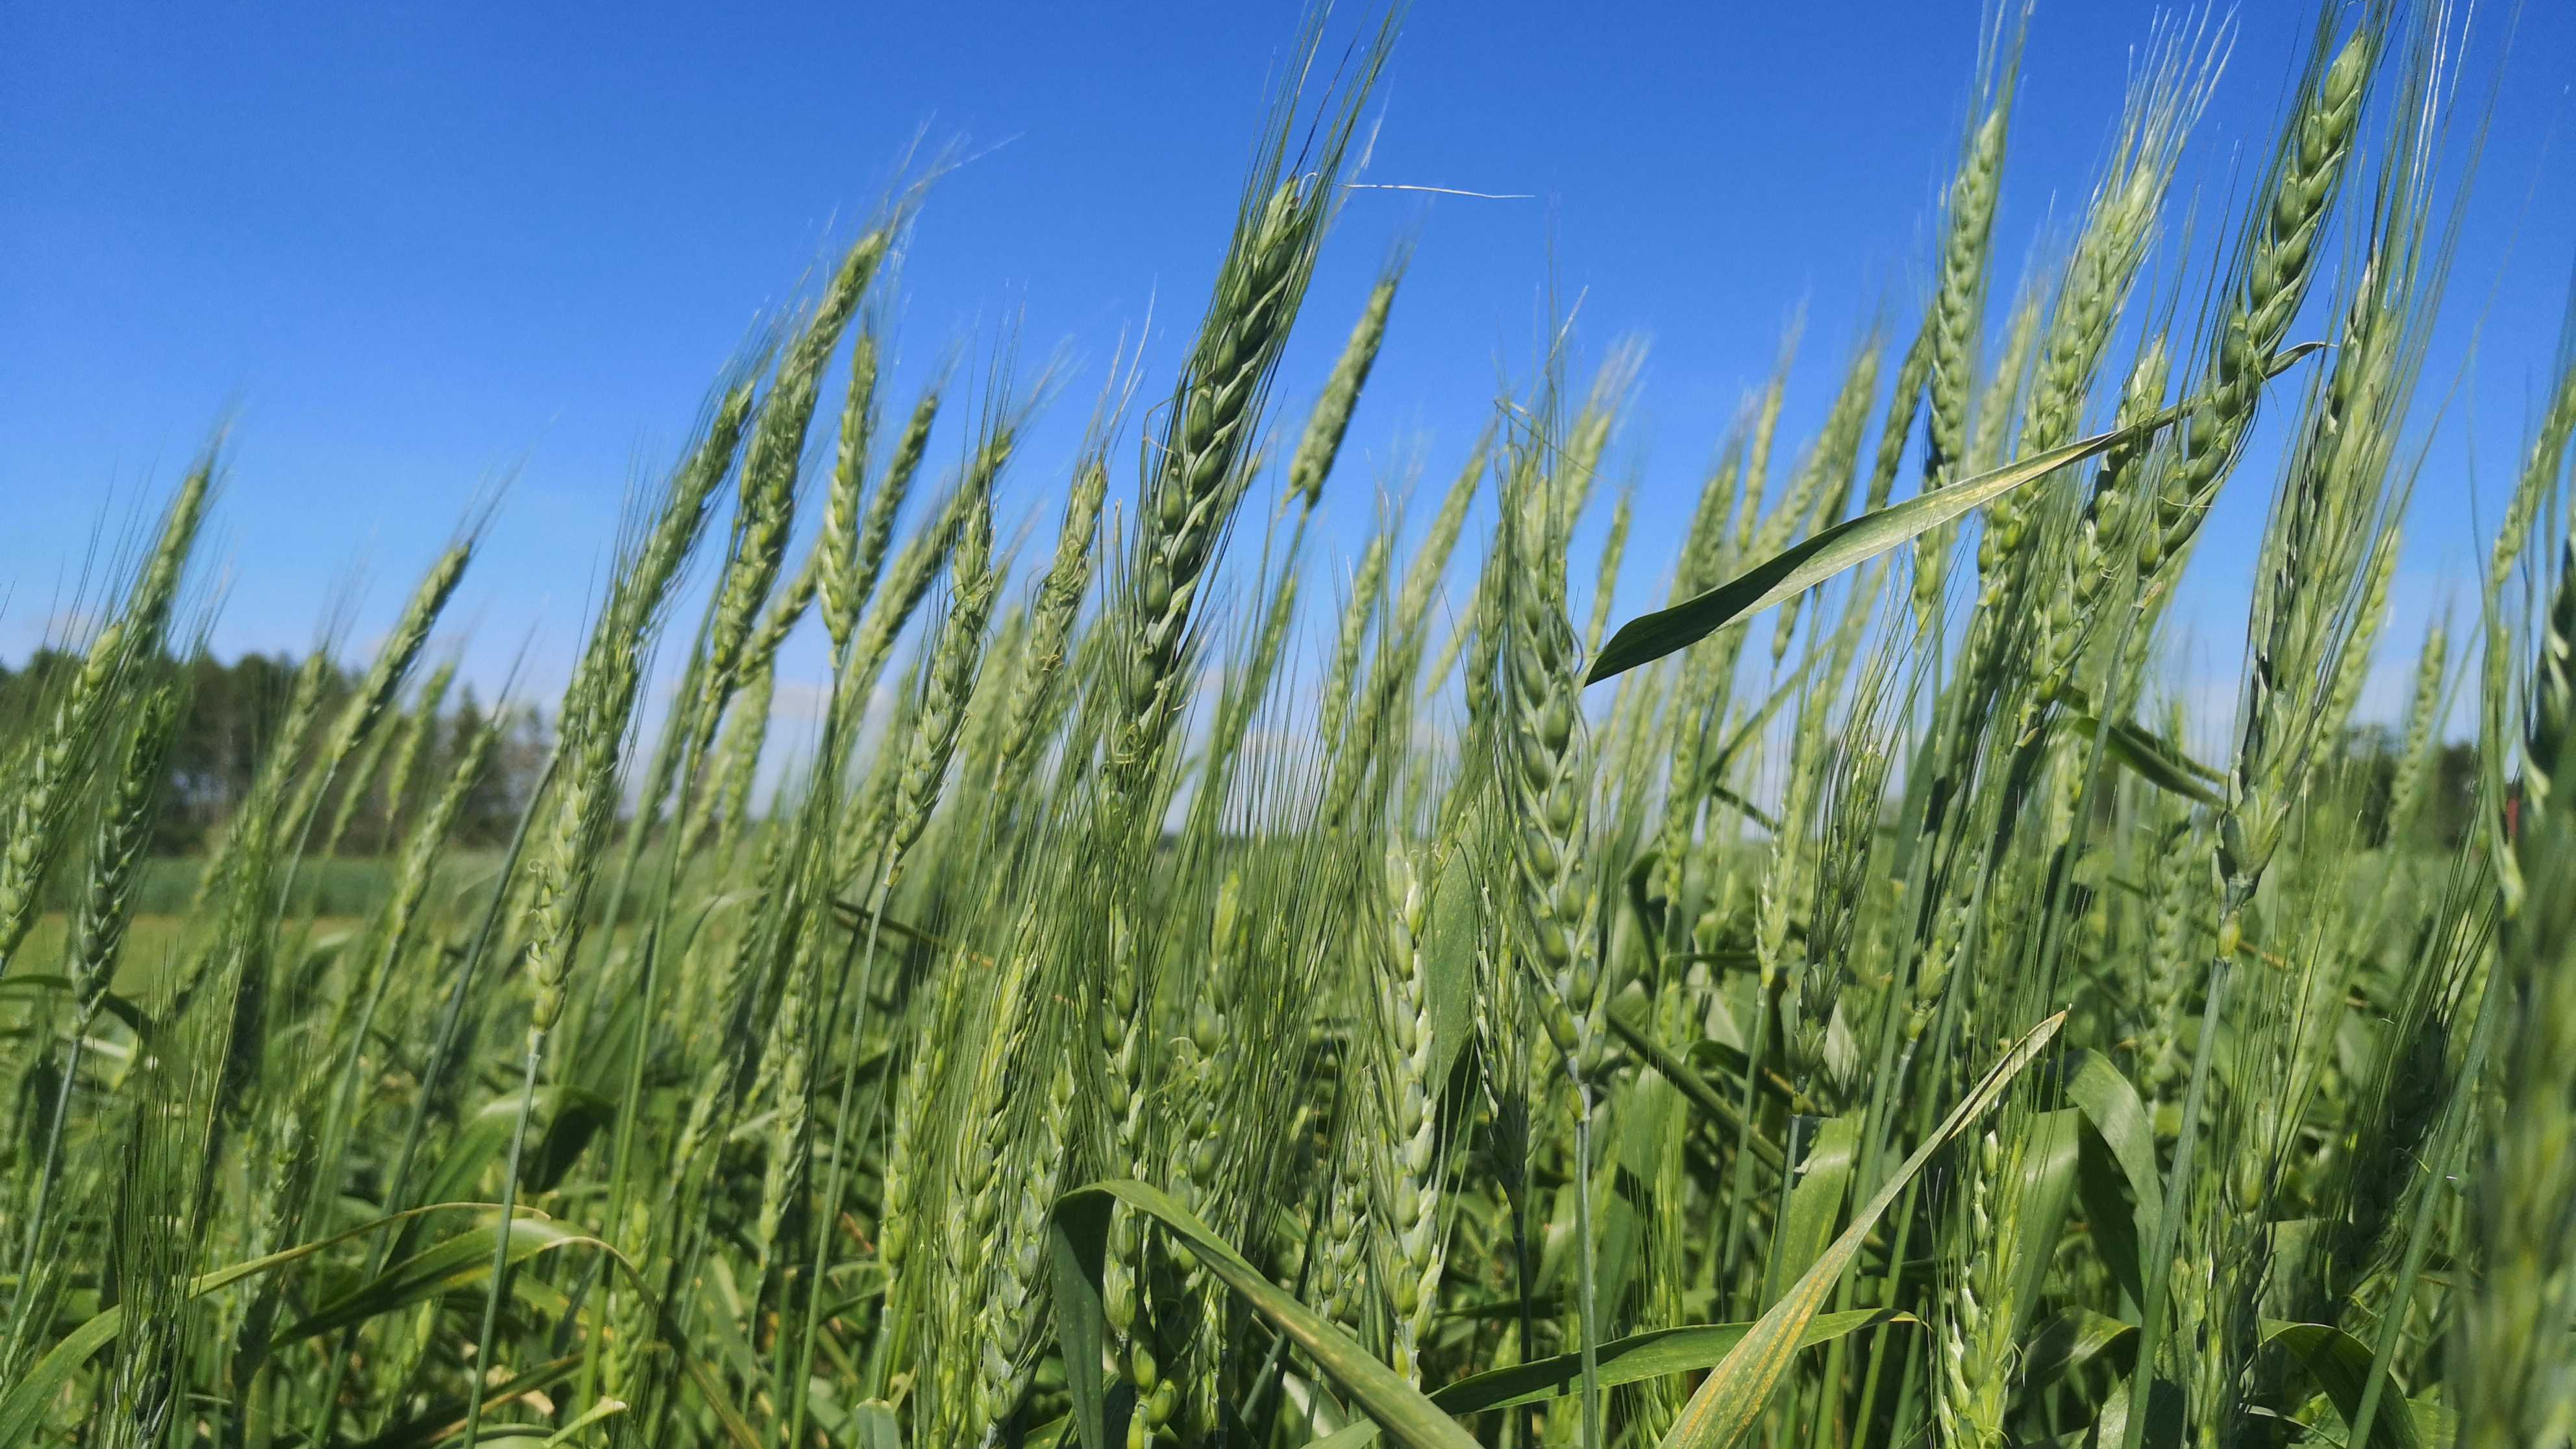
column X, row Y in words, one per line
column 234, row 711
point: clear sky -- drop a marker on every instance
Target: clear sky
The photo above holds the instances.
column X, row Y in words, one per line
column 410, row 249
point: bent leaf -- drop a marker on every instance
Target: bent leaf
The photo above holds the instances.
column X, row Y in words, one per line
column 1731, row 1399
column 2160, row 1428
column 873, row 1426
column 2050, row 1157
column 2154, row 761
column 1815, row 1204
column 458, row 1262
column 1828, row 551
column 2072, row 1338
column 1634, row 1359
column 1078, row 1230
column 2340, row 1363
column 2112, row 1105
column 23, row 1409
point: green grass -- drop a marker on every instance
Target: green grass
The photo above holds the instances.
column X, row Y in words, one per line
column 165, row 885
column 1521, row 1031
column 149, row 943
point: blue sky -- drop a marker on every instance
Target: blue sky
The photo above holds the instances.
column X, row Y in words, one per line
column 410, row 249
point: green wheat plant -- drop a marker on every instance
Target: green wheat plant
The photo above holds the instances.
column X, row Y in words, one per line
column 1229, row 935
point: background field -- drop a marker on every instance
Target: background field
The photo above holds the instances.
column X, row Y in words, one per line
column 1167, row 979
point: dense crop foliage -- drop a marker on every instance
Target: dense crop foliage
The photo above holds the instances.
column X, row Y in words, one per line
column 1833, row 1009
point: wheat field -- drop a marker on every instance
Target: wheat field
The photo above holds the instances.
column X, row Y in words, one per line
column 1183, row 990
